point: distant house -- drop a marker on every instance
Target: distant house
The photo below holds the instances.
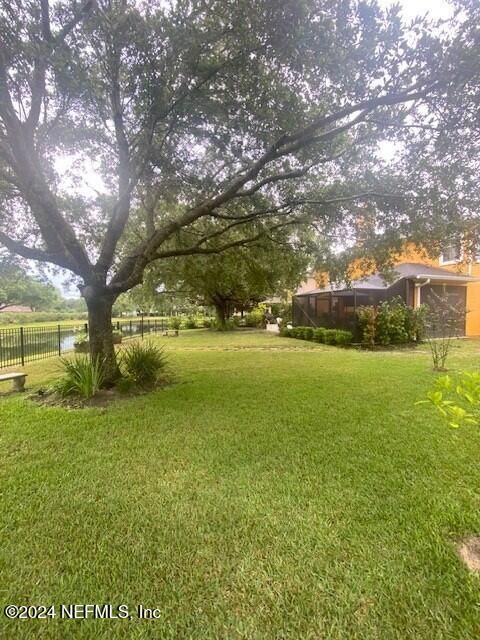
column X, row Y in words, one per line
column 15, row 308
column 415, row 282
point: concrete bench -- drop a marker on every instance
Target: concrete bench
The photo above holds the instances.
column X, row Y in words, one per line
column 18, row 380
column 170, row 332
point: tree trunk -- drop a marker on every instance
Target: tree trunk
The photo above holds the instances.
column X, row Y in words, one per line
column 221, row 313
column 100, row 335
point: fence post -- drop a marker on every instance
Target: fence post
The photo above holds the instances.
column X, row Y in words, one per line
column 141, row 326
column 59, row 341
column 22, row 347
column 118, row 325
column 85, row 326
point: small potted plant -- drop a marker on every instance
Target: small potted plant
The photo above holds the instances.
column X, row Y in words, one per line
column 81, row 344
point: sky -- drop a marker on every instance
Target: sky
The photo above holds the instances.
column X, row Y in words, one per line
column 410, row 8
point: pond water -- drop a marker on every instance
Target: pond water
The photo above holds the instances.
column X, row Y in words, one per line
column 42, row 342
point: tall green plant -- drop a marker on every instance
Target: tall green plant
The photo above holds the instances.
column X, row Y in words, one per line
column 142, row 363
column 82, row 376
column 367, row 317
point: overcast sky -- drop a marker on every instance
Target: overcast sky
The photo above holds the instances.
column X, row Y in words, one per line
column 412, row 8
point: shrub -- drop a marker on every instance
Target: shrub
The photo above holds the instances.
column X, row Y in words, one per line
column 319, row 335
column 343, row 338
column 392, row 322
column 143, row 363
column 208, row 323
column 308, row 333
column 82, row 338
column 256, row 317
column 330, row 336
column 286, row 332
column 191, row 323
column 82, row 376
column 81, row 343
column 175, row 323
column 367, row 317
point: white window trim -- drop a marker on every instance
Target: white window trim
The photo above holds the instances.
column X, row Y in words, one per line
column 447, row 262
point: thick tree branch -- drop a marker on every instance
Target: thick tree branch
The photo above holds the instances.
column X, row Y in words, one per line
column 126, row 182
column 199, row 250
column 31, row 253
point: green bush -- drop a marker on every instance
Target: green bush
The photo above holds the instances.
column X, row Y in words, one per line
column 308, row 333
column 320, row 334
column 208, row 323
column 392, row 322
column 330, row 336
column 286, row 332
column 81, row 338
column 175, row 323
column 81, row 377
column 256, row 317
column 343, row 338
column 367, row 319
column 191, row 323
column 142, row 363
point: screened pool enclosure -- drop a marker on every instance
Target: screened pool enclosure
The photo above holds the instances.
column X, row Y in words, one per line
column 336, row 307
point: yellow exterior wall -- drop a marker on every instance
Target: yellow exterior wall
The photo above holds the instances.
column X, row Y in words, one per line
column 472, row 325
column 412, row 253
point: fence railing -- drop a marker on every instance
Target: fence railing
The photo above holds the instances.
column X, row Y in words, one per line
column 19, row 345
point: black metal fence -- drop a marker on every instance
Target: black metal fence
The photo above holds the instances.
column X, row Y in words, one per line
column 19, row 345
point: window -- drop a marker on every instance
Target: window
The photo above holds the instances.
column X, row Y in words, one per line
column 450, row 254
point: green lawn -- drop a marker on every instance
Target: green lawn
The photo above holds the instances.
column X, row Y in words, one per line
column 279, row 490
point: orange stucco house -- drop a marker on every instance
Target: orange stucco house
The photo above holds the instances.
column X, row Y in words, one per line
column 415, row 277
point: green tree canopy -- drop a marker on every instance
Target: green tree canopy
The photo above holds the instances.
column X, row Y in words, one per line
column 19, row 288
column 240, row 277
column 185, row 110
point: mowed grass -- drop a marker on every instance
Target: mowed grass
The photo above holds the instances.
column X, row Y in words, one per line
column 279, row 489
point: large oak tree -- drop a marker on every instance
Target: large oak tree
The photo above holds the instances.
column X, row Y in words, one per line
column 225, row 111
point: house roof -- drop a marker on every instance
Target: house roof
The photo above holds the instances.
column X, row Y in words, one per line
column 16, row 308
column 407, row 270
